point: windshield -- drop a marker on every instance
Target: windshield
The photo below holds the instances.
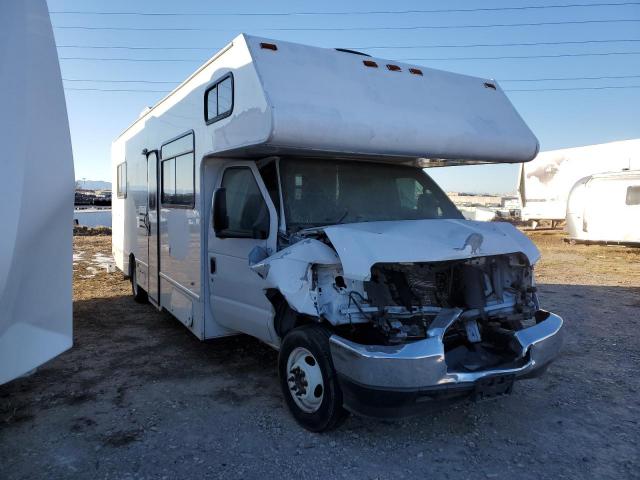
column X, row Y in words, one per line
column 320, row 192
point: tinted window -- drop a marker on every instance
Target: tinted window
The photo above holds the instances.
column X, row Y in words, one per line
column 168, row 180
column 246, row 209
column 219, row 99
column 324, row 192
column 633, row 195
column 177, row 184
column 152, row 179
column 122, row 180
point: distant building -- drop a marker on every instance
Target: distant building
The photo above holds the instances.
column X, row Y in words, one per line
column 473, row 199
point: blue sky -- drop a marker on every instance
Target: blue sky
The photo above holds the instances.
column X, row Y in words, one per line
column 560, row 118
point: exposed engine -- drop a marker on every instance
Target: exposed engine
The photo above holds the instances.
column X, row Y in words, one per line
column 400, row 301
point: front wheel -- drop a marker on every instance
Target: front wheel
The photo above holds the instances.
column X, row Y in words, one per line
column 308, row 380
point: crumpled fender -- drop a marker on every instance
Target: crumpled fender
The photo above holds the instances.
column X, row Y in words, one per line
column 289, row 271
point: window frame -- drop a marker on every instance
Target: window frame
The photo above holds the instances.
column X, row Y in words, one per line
column 120, row 191
column 191, row 205
column 262, row 195
column 213, row 86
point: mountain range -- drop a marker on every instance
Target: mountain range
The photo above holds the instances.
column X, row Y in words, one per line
column 93, row 185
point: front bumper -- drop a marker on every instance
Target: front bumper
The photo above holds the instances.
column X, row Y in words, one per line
column 392, row 380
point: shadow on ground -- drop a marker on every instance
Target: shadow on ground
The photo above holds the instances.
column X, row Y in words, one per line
column 139, row 395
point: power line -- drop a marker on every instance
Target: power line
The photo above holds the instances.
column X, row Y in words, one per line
column 510, row 57
column 432, row 59
column 147, row 48
column 117, row 81
column 356, row 12
column 606, row 87
column 608, row 77
column 336, row 29
column 74, row 89
column 558, row 79
column 110, row 59
column 516, row 44
column 469, row 45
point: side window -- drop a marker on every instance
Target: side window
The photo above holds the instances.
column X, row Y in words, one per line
column 178, row 175
column 633, row 195
column 218, row 99
column 246, row 209
column 122, row 180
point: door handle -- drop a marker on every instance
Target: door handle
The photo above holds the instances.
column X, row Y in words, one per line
column 212, row 265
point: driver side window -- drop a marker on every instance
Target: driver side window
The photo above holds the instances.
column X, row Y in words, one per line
column 246, row 209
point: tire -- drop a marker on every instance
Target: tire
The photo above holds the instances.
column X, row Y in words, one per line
column 308, row 379
column 139, row 294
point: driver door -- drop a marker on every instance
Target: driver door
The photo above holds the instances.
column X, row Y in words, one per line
column 237, row 297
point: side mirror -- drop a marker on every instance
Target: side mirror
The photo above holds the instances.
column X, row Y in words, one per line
column 220, row 217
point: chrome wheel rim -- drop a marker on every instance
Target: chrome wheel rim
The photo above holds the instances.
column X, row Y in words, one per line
column 304, row 379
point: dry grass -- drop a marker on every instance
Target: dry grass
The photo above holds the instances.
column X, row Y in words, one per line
column 90, row 280
column 604, row 265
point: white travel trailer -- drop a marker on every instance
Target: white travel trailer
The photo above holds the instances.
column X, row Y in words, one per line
column 37, row 187
column 546, row 181
column 605, row 208
column 280, row 192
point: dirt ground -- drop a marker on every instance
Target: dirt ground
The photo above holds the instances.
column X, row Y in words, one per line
column 139, row 397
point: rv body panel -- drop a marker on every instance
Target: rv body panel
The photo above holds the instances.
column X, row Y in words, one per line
column 328, row 101
column 37, row 170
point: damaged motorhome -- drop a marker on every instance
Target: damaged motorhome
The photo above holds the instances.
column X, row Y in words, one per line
column 280, row 192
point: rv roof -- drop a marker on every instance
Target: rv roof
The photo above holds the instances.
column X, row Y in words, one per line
column 322, row 101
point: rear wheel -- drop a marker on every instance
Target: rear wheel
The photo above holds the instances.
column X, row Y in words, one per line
column 139, row 294
column 308, row 379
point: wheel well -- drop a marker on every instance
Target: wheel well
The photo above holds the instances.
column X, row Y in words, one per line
column 285, row 319
column 132, row 264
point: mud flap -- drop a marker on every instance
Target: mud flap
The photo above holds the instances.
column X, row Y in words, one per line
column 492, row 387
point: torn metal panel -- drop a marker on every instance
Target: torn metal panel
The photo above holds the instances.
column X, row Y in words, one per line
column 290, row 272
column 361, row 245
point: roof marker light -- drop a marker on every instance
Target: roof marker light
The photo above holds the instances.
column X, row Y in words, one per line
column 393, row 68
column 415, row 71
column 370, row 63
column 268, row 46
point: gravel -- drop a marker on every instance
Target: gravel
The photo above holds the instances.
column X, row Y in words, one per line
column 139, row 397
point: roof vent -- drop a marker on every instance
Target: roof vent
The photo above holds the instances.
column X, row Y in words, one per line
column 489, row 85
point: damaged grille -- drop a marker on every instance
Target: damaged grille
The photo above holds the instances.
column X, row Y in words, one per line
column 410, row 286
column 403, row 299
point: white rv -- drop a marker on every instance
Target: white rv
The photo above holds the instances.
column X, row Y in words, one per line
column 546, row 181
column 280, row 192
column 37, row 188
column 605, row 208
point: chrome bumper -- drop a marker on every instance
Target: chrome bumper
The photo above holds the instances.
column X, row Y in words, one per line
column 421, row 365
